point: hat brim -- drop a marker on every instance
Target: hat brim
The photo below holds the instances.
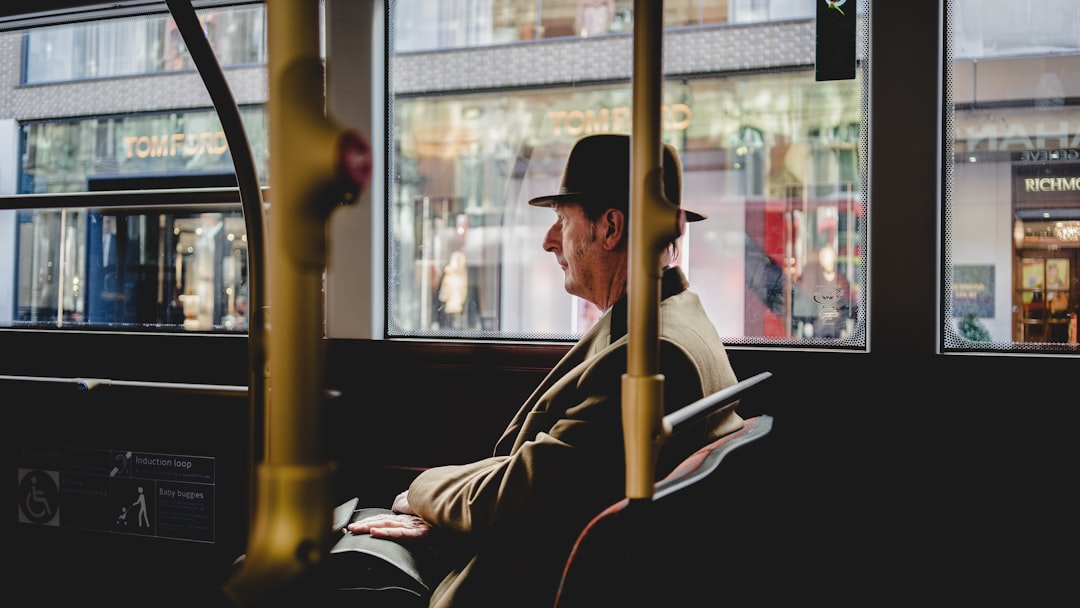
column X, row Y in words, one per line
column 552, row 199
column 569, row 197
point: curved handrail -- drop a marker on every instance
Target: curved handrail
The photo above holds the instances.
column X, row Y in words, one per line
column 247, row 180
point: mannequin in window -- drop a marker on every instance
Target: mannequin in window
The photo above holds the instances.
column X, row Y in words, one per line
column 823, row 298
column 781, row 183
column 454, row 288
column 1057, row 296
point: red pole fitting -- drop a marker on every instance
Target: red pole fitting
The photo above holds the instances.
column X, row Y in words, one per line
column 354, row 161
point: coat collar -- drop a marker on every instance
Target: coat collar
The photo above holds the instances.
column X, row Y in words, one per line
column 672, row 282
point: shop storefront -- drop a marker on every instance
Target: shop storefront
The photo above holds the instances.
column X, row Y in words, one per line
column 772, row 160
column 1046, row 207
column 1014, row 223
column 182, row 267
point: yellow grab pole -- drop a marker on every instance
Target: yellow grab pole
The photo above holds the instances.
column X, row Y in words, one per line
column 654, row 221
column 314, row 166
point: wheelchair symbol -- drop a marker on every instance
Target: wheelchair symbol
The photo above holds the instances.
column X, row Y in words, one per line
column 39, row 497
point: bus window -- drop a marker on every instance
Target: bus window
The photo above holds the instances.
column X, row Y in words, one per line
column 775, row 159
column 1012, row 246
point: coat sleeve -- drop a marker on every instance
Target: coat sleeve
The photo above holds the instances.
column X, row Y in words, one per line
column 569, row 468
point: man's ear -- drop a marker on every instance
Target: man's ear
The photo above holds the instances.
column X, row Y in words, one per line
column 614, row 227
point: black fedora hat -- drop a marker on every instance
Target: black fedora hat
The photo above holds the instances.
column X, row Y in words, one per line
column 598, row 173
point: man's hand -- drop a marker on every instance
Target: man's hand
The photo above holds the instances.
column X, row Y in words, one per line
column 396, row 526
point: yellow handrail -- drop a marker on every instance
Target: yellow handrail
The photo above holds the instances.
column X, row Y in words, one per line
column 654, row 221
column 314, row 166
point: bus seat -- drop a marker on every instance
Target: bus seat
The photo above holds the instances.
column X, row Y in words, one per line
column 649, row 550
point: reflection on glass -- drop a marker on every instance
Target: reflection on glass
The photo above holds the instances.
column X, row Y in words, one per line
column 127, row 270
column 1014, row 195
column 421, row 26
column 141, row 45
column 773, row 160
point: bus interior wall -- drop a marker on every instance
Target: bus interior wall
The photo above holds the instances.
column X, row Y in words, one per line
column 853, row 474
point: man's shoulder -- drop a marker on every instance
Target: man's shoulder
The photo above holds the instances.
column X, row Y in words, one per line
column 683, row 314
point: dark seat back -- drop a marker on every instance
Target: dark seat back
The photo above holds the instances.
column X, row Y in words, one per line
column 646, row 550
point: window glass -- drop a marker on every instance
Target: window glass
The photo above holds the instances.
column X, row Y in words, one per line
column 132, row 270
column 135, row 269
column 141, row 45
column 140, row 264
column 426, row 25
column 775, row 158
column 1013, row 193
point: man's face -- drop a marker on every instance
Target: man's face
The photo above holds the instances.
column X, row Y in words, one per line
column 573, row 240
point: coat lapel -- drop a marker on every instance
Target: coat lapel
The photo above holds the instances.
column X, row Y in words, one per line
column 594, row 341
column 609, row 328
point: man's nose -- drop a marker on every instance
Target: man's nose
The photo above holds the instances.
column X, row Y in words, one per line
column 551, row 240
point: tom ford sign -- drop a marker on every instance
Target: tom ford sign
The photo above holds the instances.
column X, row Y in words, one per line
column 176, row 144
